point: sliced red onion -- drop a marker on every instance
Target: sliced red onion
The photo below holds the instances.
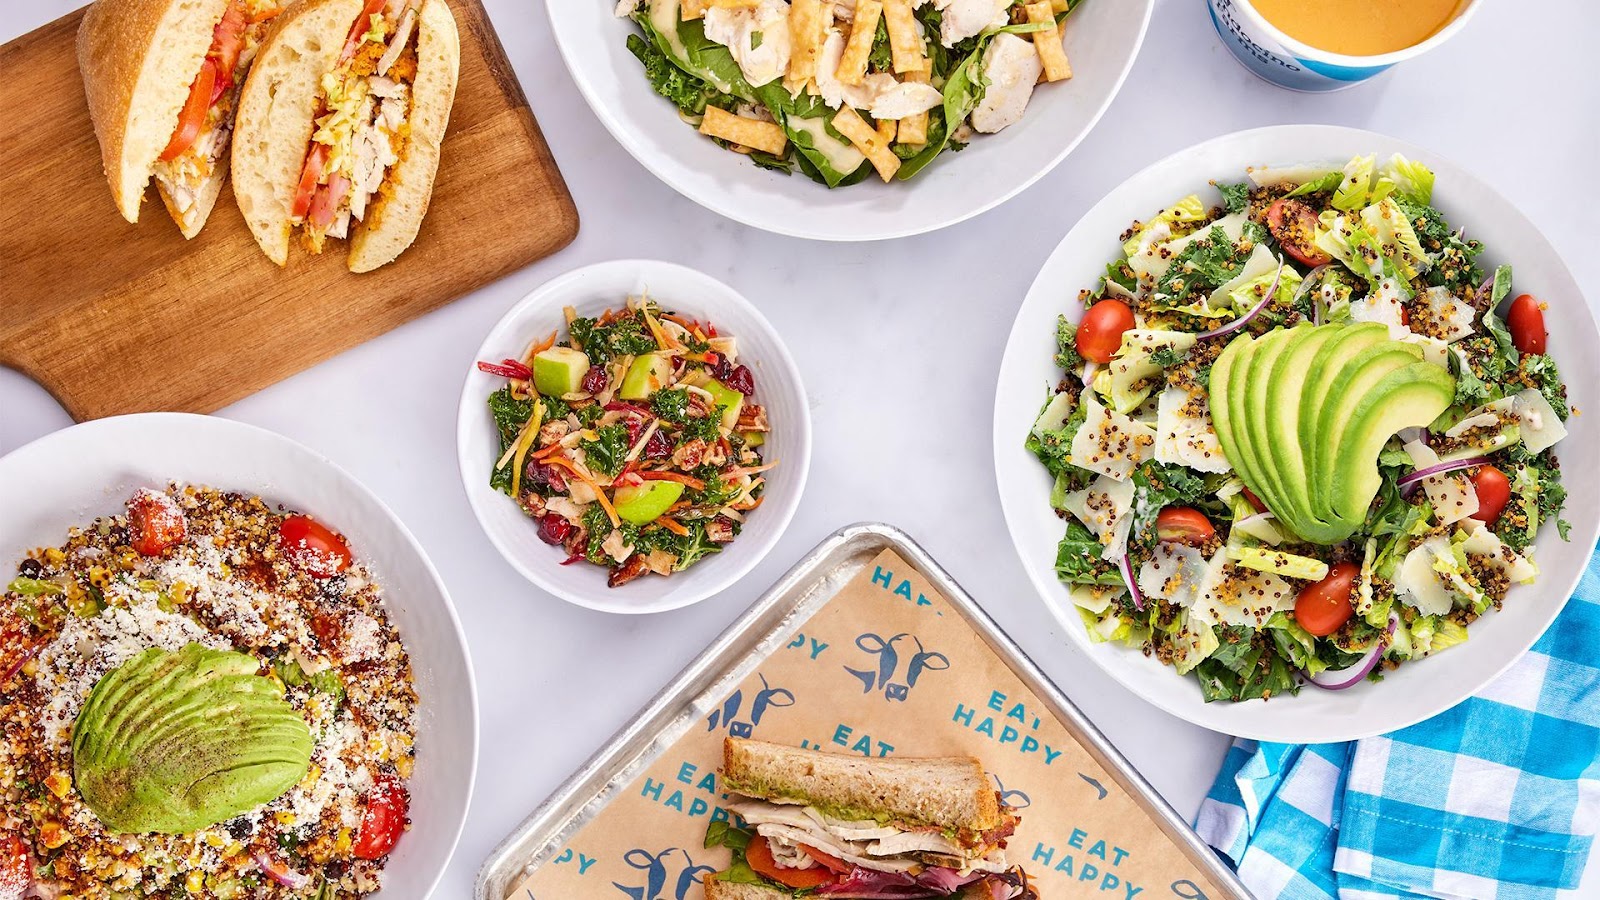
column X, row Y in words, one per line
column 1407, row 483
column 280, row 872
column 1343, row 678
column 1318, row 313
column 1414, row 433
column 1089, row 368
column 1126, row 568
column 1244, row 320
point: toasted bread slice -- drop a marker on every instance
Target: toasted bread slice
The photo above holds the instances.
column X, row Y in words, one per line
column 138, row 59
column 275, row 123
column 948, row 792
column 717, row 889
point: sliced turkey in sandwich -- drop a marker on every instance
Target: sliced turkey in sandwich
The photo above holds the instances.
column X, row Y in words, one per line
column 851, row 827
column 162, row 78
column 340, row 126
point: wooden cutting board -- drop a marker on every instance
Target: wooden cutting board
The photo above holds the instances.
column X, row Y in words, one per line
column 117, row 318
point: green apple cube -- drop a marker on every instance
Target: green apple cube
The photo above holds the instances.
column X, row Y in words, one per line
column 728, row 399
column 641, row 504
column 648, row 374
column 559, row 371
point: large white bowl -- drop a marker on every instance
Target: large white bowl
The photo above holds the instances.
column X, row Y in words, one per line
column 70, row 477
column 591, row 291
column 1102, row 38
column 1416, row 690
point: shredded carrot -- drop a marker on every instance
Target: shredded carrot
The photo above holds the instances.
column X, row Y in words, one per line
column 662, row 341
column 540, row 347
column 686, row 480
column 687, row 325
column 672, row 525
column 736, row 473
column 599, row 492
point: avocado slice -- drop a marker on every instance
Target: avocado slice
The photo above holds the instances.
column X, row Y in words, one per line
column 1408, row 397
column 642, row 504
column 729, row 400
column 1233, row 358
column 1348, row 390
column 1278, row 401
column 559, row 371
column 1248, row 397
column 647, row 374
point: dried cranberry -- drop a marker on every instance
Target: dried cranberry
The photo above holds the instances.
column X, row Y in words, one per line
column 741, row 379
column 658, row 447
column 635, row 428
column 541, row 477
column 594, row 381
column 553, row 529
column 721, row 369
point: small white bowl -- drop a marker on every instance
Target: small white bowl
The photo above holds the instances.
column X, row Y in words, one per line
column 1420, row 688
column 591, row 291
column 70, row 477
column 1102, row 39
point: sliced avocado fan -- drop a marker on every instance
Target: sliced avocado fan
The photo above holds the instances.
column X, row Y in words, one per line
column 1303, row 413
column 173, row 742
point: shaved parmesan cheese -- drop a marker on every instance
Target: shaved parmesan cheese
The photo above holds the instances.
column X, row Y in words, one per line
column 1434, row 350
column 1451, row 315
column 1172, row 573
column 1109, row 443
column 1451, row 493
column 1487, row 546
column 1383, row 305
column 1541, row 427
column 1151, row 265
column 1095, row 598
column 1185, row 439
column 1234, row 595
column 1289, row 176
column 1104, row 508
column 1418, row 584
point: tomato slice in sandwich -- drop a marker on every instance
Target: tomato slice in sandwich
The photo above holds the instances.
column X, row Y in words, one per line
column 309, row 176
column 360, row 27
column 193, row 116
column 227, row 40
column 759, row 855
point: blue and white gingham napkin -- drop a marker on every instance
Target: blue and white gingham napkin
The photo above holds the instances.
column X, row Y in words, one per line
column 1494, row 799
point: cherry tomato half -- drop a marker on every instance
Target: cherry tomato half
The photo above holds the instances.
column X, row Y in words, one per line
column 759, row 855
column 1322, row 607
column 195, row 110
column 1525, row 320
column 384, row 818
column 1184, row 525
column 1100, row 332
column 1294, row 224
column 313, row 547
column 155, row 523
column 1494, row 490
column 16, row 866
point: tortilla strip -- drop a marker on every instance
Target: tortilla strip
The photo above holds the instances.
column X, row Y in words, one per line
column 868, row 140
column 753, row 133
column 1048, row 42
column 914, row 129
column 805, row 41
column 863, row 31
column 904, row 45
column 696, row 9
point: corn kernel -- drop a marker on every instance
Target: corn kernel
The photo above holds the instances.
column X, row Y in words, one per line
column 214, row 840
column 341, row 845
column 404, row 765
column 195, row 882
column 54, row 557
column 283, row 817
column 312, row 774
column 59, row 784
column 53, row 835
column 100, row 577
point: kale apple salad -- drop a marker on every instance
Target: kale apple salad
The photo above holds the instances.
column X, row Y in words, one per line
column 634, row 442
column 1303, row 435
column 842, row 88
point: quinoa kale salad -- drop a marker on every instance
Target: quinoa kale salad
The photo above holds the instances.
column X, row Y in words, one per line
column 842, row 88
column 201, row 697
column 634, row 442
column 1304, row 435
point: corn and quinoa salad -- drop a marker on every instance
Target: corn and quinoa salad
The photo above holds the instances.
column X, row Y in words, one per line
column 194, row 572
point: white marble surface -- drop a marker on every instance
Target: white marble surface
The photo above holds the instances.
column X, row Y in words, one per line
column 899, row 341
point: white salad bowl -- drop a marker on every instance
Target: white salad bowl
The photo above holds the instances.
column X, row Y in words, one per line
column 592, row 290
column 72, row 476
column 1102, row 38
column 1420, row 688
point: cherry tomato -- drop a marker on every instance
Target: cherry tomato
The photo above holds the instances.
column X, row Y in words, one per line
column 326, row 202
column 1100, row 332
column 1322, row 607
column 227, row 41
column 1494, row 490
column 195, row 109
column 1525, row 319
column 1255, row 502
column 313, row 547
column 1184, row 525
column 759, row 855
column 316, row 159
column 828, row 861
column 384, row 818
column 155, row 523
column 16, row 866
column 1294, row 224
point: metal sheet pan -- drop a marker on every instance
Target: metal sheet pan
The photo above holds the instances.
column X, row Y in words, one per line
column 764, row 629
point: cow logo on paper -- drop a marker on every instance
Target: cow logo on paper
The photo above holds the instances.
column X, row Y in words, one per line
column 667, row 875
column 768, row 698
column 881, row 677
